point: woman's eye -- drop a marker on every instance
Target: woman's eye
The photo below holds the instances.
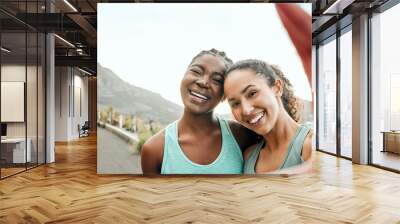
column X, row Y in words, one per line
column 196, row 72
column 219, row 81
column 252, row 93
column 235, row 104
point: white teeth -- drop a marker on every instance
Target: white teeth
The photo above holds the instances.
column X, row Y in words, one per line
column 257, row 118
column 199, row 95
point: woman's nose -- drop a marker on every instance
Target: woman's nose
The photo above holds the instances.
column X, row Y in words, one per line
column 203, row 82
column 247, row 108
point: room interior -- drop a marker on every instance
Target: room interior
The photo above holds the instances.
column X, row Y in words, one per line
column 48, row 171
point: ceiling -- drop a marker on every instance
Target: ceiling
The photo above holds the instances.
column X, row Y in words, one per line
column 329, row 16
column 74, row 22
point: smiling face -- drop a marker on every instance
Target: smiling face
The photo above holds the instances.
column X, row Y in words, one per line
column 253, row 103
column 202, row 84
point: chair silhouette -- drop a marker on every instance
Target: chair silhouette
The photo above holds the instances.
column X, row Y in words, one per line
column 84, row 130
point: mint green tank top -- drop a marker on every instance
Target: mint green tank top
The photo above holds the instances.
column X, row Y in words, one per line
column 229, row 160
column 293, row 156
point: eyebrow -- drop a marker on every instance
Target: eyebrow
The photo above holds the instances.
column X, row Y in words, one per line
column 231, row 99
column 202, row 68
column 243, row 91
column 197, row 65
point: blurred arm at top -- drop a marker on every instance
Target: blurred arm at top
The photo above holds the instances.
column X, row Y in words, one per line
column 298, row 25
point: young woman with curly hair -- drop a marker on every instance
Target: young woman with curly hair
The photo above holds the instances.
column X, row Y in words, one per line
column 262, row 99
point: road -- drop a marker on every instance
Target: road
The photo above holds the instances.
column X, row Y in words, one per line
column 114, row 155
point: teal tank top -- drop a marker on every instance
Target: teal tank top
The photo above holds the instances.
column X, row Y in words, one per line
column 293, row 156
column 229, row 160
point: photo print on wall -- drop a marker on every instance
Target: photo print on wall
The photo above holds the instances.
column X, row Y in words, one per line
column 204, row 88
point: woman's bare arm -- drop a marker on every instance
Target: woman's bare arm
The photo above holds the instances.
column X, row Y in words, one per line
column 152, row 154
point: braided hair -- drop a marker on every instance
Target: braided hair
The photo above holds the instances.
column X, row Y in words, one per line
column 271, row 73
column 220, row 54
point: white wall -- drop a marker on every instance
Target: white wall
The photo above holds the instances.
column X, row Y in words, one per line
column 33, row 126
column 80, row 115
column 71, row 87
column 62, row 81
column 12, row 73
column 313, row 88
column 377, row 85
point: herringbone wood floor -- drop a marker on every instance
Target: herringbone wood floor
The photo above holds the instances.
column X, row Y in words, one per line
column 70, row 191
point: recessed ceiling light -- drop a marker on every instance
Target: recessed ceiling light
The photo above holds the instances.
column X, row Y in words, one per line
column 337, row 7
column 84, row 71
column 5, row 50
column 71, row 6
column 64, row 40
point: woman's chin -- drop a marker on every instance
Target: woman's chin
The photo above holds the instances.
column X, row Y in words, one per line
column 260, row 129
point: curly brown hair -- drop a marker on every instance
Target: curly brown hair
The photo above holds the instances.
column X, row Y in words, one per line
column 271, row 73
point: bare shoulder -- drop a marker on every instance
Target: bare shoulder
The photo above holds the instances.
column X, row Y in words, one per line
column 307, row 146
column 248, row 151
column 155, row 142
column 152, row 153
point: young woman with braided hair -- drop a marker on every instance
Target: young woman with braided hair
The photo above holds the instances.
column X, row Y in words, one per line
column 262, row 99
column 199, row 142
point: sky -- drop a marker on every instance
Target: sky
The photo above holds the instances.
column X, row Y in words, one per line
column 150, row 45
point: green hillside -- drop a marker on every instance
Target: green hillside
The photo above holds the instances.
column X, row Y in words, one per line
column 130, row 99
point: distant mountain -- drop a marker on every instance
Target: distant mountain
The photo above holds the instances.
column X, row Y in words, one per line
column 130, row 99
